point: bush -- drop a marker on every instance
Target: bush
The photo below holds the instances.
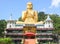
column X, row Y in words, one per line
column 5, row 41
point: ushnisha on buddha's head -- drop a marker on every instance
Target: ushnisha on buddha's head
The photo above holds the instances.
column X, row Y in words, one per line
column 29, row 5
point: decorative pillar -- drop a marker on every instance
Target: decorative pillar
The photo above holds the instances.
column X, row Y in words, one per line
column 36, row 41
column 5, row 32
column 49, row 42
column 22, row 41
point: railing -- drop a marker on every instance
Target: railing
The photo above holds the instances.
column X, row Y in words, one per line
column 14, row 33
column 44, row 33
column 16, row 38
column 45, row 38
column 45, row 28
column 14, row 28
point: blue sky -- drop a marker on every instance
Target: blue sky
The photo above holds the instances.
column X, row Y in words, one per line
column 15, row 7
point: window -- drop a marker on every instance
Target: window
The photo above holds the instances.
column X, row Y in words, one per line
column 10, row 26
column 49, row 25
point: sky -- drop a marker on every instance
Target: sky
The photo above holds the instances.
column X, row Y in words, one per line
column 15, row 7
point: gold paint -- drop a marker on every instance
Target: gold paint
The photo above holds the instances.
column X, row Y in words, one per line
column 29, row 16
column 29, row 29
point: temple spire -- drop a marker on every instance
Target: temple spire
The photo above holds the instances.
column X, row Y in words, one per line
column 11, row 16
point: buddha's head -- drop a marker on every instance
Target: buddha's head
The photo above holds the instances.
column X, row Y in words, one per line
column 29, row 5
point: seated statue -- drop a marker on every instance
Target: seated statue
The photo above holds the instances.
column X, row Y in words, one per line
column 29, row 16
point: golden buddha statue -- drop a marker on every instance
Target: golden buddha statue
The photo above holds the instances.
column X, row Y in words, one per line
column 29, row 16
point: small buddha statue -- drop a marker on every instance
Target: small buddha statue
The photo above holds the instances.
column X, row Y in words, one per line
column 29, row 15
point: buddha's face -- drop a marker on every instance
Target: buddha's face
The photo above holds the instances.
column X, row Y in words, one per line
column 29, row 5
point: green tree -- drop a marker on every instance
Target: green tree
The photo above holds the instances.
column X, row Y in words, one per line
column 2, row 27
column 20, row 19
column 41, row 16
column 56, row 22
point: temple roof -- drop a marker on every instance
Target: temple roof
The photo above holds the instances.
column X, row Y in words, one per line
column 48, row 18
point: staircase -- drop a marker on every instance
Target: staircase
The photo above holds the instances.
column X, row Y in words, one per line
column 29, row 41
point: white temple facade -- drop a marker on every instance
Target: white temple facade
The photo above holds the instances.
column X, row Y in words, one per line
column 48, row 23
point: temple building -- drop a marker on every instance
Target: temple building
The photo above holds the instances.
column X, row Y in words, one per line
column 30, row 30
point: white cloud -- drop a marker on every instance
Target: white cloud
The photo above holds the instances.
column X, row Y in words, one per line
column 55, row 3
